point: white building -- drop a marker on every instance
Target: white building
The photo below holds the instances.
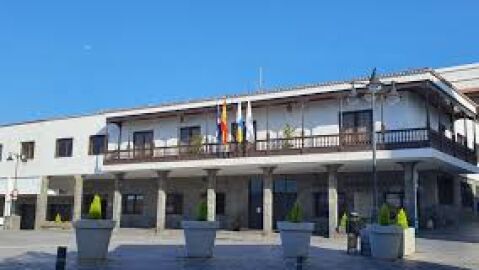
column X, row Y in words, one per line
column 152, row 165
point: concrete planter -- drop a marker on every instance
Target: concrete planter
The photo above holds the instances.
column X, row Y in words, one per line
column 295, row 238
column 200, row 238
column 385, row 241
column 408, row 242
column 93, row 238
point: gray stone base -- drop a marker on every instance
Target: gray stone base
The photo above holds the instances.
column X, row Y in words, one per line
column 12, row 223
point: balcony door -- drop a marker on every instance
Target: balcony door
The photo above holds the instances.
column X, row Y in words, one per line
column 143, row 144
column 190, row 139
column 356, row 127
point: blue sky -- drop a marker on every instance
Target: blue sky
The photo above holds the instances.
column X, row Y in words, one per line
column 71, row 57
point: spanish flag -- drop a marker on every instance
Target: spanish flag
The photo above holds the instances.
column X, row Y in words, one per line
column 224, row 123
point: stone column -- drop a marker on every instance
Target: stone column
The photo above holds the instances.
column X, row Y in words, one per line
column 411, row 180
column 268, row 200
column 42, row 203
column 332, row 198
column 77, row 197
column 117, row 198
column 475, row 187
column 457, row 192
column 211, row 193
column 161, row 200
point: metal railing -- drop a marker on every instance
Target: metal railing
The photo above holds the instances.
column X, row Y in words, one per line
column 386, row 140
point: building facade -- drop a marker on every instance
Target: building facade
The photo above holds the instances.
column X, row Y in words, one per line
column 312, row 144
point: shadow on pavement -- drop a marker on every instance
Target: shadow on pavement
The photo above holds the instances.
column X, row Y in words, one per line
column 468, row 233
column 226, row 257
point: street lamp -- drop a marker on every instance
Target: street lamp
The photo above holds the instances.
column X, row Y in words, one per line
column 375, row 88
column 14, row 194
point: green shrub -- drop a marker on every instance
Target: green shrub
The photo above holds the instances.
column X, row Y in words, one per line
column 295, row 215
column 401, row 219
column 384, row 215
column 58, row 219
column 196, row 145
column 288, row 135
column 95, row 208
column 202, row 211
column 344, row 221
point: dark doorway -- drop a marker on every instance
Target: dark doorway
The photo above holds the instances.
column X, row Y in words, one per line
column 27, row 213
column 284, row 196
column 255, row 210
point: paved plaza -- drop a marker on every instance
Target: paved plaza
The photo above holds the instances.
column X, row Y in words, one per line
column 143, row 249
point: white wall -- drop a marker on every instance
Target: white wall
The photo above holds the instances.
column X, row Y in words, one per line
column 45, row 134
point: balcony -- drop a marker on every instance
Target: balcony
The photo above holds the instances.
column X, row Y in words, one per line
column 342, row 142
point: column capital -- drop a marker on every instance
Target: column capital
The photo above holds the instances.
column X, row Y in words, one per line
column 268, row 169
column 333, row 167
column 211, row 171
column 162, row 173
column 79, row 176
column 118, row 175
column 404, row 164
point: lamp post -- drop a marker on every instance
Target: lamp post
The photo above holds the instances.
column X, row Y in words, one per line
column 14, row 194
column 375, row 88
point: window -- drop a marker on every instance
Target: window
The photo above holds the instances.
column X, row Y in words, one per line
column 64, row 147
column 132, row 204
column 28, row 150
column 143, row 143
column 357, row 121
column 445, row 189
column 394, row 199
column 97, row 145
column 188, row 133
column 174, row 204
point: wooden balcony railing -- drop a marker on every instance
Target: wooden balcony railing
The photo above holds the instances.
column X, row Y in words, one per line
column 386, row 140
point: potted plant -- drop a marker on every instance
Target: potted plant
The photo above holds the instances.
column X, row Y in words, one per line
column 196, row 145
column 93, row 234
column 408, row 241
column 288, row 135
column 295, row 234
column 58, row 219
column 343, row 223
column 385, row 237
column 200, row 234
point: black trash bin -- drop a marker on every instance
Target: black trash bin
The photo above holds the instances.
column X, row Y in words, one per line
column 353, row 228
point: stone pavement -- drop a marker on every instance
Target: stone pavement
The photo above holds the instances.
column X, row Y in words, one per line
column 142, row 249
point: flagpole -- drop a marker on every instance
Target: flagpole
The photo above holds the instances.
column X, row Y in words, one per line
column 260, row 83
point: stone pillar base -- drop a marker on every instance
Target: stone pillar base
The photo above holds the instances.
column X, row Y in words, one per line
column 12, row 223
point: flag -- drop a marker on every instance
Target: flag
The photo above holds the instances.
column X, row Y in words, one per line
column 224, row 124
column 239, row 124
column 249, row 124
column 218, row 123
